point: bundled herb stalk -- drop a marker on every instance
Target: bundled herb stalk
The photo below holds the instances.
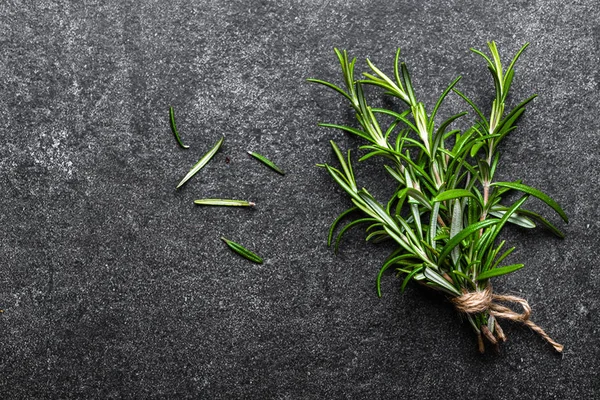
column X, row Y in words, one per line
column 447, row 210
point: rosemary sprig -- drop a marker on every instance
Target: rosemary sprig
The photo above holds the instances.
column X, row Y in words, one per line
column 267, row 162
column 224, row 202
column 242, row 251
column 447, row 210
column 174, row 128
column 202, row 162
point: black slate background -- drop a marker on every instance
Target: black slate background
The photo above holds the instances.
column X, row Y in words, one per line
column 114, row 285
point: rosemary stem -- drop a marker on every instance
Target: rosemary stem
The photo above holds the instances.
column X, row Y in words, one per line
column 436, row 175
column 490, row 152
column 441, row 221
column 486, row 195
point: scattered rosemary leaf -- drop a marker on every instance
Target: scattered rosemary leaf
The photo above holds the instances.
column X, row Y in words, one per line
column 224, row 202
column 267, row 162
column 242, row 251
column 202, row 162
column 174, row 128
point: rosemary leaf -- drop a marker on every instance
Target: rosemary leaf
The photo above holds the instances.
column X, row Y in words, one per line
column 499, row 271
column 242, row 251
column 267, row 162
column 536, row 193
column 202, row 162
column 453, row 194
column 174, row 128
column 335, row 223
column 224, row 202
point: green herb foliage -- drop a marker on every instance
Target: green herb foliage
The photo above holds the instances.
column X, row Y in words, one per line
column 267, row 162
column 447, row 210
column 202, row 162
column 174, row 128
column 224, row 202
column 242, row 251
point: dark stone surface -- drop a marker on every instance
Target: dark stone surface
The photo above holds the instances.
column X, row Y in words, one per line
column 114, row 285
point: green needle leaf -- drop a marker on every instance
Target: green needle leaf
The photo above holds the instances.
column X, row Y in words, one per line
column 267, row 162
column 469, row 230
column 224, row 202
column 543, row 221
column 418, row 196
column 516, row 218
column 242, row 251
column 499, row 271
column 348, row 129
column 474, row 107
column 376, row 207
column 202, row 162
column 174, row 128
column 336, row 222
column 436, row 278
column 345, row 228
column 453, row 194
column 401, row 259
column 409, row 277
column 536, row 193
column 332, row 86
column 337, row 176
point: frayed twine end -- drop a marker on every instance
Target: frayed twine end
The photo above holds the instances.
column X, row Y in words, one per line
column 485, row 300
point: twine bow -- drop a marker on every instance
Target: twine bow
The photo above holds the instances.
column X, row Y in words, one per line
column 485, row 300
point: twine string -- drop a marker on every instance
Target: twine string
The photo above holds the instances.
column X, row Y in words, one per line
column 485, row 300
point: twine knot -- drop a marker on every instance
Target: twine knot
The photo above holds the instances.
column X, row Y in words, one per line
column 485, row 300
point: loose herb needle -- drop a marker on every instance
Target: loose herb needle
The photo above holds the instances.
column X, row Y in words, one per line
column 202, row 162
column 174, row 128
column 242, row 251
column 267, row 162
column 224, row 202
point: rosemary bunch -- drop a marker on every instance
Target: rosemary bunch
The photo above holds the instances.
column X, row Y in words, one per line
column 447, row 210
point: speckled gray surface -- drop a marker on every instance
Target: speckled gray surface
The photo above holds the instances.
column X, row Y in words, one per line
column 114, row 285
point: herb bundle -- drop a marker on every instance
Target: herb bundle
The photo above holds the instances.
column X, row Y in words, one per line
column 447, row 210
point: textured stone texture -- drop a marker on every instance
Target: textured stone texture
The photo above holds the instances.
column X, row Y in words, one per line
column 114, row 285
